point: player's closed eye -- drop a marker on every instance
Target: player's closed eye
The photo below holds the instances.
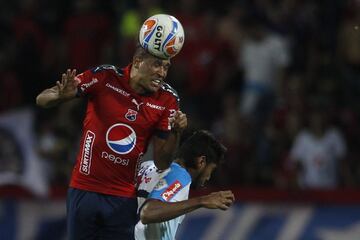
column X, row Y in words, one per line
column 167, row 66
column 159, row 63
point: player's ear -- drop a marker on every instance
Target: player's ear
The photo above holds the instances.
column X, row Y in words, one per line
column 200, row 162
column 137, row 62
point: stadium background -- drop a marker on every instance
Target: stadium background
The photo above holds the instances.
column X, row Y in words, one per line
column 318, row 71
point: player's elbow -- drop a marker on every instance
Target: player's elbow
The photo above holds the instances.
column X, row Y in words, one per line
column 40, row 101
column 43, row 100
column 148, row 215
column 145, row 220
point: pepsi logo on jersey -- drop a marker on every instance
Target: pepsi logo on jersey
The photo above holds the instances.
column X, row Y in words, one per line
column 121, row 138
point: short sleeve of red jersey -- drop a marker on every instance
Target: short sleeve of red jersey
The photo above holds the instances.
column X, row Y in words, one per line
column 89, row 82
column 169, row 112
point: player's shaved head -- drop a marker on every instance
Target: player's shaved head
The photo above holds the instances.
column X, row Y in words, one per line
column 141, row 53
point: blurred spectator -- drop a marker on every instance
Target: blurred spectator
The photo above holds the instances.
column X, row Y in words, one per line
column 319, row 153
column 275, row 54
column 263, row 57
column 284, row 125
column 131, row 18
column 238, row 135
column 11, row 159
column 349, row 37
column 198, row 61
column 349, row 52
column 87, row 32
column 11, row 88
column 134, row 16
column 30, row 41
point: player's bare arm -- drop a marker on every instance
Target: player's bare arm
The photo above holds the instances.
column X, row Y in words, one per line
column 155, row 211
column 164, row 149
column 64, row 90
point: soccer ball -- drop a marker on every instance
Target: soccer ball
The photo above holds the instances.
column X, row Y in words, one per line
column 162, row 35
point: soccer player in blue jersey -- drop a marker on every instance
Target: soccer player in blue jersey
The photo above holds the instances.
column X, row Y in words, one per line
column 163, row 194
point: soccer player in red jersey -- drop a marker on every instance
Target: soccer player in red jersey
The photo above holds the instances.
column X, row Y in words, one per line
column 126, row 108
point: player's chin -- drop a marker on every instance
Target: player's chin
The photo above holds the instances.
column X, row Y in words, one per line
column 155, row 84
column 153, row 88
column 199, row 184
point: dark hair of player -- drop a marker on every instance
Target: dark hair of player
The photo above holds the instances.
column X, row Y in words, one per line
column 201, row 143
column 140, row 52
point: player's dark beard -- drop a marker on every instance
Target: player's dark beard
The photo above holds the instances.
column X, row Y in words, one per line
column 195, row 184
column 146, row 91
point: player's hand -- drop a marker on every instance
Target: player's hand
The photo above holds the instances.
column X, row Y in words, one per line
column 218, row 200
column 67, row 88
column 179, row 121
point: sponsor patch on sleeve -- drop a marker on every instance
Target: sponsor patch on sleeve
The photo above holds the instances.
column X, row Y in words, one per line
column 171, row 190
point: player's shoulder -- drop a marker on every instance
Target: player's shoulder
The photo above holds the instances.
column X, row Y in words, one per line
column 169, row 91
column 179, row 173
column 107, row 69
column 145, row 165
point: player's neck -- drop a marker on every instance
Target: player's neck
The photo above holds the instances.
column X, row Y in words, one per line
column 137, row 88
column 180, row 162
column 134, row 82
column 192, row 172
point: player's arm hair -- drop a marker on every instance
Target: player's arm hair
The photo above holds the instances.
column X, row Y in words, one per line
column 155, row 211
column 50, row 97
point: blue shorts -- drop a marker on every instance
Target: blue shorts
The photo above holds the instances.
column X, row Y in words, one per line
column 98, row 216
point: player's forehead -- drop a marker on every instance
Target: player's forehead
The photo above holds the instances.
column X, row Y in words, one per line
column 159, row 61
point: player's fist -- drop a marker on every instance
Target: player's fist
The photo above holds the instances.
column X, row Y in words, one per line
column 179, row 121
column 218, row 200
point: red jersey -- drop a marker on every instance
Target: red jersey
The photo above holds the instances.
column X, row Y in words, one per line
column 116, row 130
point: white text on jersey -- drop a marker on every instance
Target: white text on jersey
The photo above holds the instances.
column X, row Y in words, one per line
column 155, row 106
column 89, row 84
column 122, row 92
column 87, row 153
column 113, row 158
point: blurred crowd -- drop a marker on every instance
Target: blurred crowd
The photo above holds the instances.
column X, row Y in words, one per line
column 278, row 81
